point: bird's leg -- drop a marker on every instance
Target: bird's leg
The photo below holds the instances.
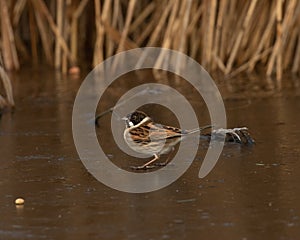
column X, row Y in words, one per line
column 162, row 164
column 146, row 165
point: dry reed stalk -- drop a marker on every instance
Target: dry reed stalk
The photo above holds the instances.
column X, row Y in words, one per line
column 215, row 32
column 127, row 25
column 10, row 56
column 172, row 25
column 100, row 29
column 33, row 34
column 21, row 48
column 195, row 14
column 194, row 48
column 279, row 34
column 195, row 18
column 66, row 35
column 115, row 36
column 290, row 49
column 271, row 37
column 203, row 30
column 182, row 43
column 146, row 33
column 226, row 30
column 296, row 63
column 240, row 35
column 74, row 39
column 291, row 44
column 17, row 11
column 46, row 41
column 18, row 8
column 3, row 103
column 217, row 39
column 246, row 65
column 120, row 17
column 151, row 28
column 168, row 36
column 228, row 34
column 9, row 101
column 141, row 17
column 210, row 33
column 124, row 34
column 251, row 34
column 266, row 35
column 64, row 65
column 259, row 20
column 105, row 17
column 160, row 20
column 219, row 63
column 282, row 30
column 113, row 20
column 74, row 28
column 116, row 9
column 98, row 51
column 59, row 21
column 176, row 31
column 40, row 6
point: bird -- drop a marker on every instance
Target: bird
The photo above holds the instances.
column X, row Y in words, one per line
column 145, row 136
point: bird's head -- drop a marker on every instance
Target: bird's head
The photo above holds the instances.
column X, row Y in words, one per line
column 134, row 118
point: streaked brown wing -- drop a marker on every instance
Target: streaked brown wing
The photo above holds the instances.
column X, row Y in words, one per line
column 140, row 134
column 154, row 132
column 160, row 132
column 172, row 131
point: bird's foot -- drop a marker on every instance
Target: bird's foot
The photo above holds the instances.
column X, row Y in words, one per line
column 160, row 164
column 142, row 167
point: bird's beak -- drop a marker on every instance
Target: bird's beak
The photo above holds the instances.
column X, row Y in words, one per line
column 125, row 118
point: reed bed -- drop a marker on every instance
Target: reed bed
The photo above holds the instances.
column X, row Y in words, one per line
column 7, row 100
column 229, row 36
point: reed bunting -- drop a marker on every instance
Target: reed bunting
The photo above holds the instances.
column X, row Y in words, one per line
column 144, row 136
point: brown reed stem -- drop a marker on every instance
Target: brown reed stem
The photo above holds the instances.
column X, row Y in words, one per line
column 240, row 35
column 40, row 6
column 210, row 33
column 168, row 35
column 246, row 65
column 8, row 89
column 160, row 23
column 46, row 41
column 115, row 35
column 10, row 56
column 262, row 42
column 33, row 35
column 127, row 25
column 217, row 39
column 296, row 63
column 142, row 16
column 74, row 28
column 279, row 34
column 98, row 51
column 59, row 22
column 17, row 11
column 282, row 30
column 229, row 35
column 184, row 26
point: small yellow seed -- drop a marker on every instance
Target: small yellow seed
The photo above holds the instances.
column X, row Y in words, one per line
column 19, row 201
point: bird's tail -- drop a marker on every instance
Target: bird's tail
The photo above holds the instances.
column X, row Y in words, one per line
column 198, row 129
